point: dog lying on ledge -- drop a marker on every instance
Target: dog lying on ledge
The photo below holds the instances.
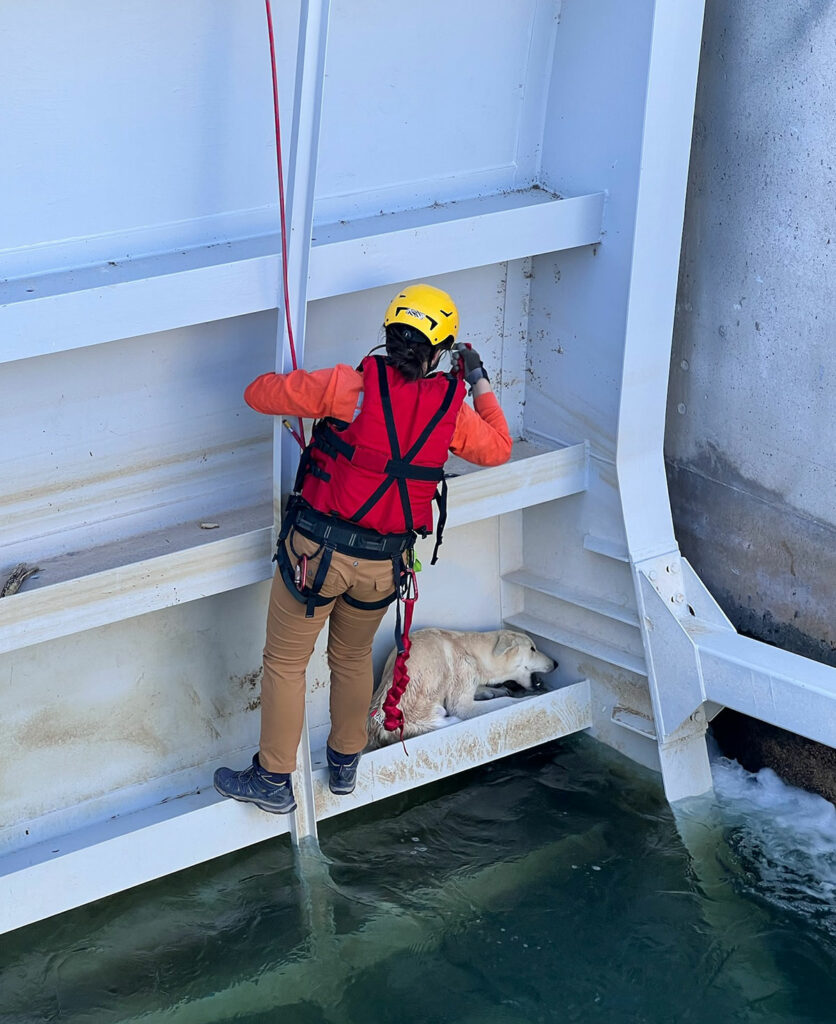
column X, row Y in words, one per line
column 449, row 672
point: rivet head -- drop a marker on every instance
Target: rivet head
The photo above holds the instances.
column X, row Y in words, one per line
column 679, row 598
column 652, row 574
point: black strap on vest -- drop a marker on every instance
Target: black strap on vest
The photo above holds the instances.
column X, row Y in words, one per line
column 405, row 460
column 328, row 440
column 441, row 499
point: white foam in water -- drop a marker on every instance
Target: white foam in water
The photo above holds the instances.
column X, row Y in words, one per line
column 784, row 837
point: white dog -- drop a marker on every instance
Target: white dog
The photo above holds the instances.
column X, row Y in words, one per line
column 449, row 672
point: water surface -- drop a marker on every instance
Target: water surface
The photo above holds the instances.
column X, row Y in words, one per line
column 554, row 886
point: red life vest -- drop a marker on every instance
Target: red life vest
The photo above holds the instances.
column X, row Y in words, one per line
column 381, row 471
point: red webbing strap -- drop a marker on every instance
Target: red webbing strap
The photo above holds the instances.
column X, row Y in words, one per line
column 393, row 719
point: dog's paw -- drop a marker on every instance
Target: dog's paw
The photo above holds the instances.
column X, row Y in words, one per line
column 517, row 690
column 485, row 695
column 494, row 690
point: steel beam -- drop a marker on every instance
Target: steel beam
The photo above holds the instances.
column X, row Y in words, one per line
column 767, row 683
column 304, row 143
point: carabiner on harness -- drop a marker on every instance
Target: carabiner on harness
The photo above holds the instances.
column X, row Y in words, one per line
column 408, row 592
column 300, row 574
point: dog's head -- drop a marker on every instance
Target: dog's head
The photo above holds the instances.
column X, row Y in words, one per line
column 519, row 658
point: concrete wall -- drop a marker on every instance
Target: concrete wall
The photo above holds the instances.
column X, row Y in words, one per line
column 751, row 433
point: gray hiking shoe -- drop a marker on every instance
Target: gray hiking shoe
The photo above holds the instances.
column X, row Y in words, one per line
column 342, row 772
column 271, row 791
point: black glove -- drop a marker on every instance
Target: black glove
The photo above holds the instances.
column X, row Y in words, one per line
column 471, row 363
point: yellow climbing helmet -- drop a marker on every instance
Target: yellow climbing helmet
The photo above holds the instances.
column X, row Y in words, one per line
column 427, row 309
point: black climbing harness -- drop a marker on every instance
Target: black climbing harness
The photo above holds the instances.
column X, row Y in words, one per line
column 332, row 534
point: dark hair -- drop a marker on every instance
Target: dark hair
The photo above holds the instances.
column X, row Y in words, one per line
column 408, row 350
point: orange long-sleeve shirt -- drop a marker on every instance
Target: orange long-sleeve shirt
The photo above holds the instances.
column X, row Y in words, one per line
column 481, row 435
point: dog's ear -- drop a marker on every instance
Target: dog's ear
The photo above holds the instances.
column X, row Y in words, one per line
column 505, row 642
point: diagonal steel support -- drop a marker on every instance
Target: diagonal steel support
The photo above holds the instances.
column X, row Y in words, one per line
column 675, row 677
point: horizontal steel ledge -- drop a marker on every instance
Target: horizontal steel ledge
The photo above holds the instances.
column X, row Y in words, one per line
column 92, row 305
column 640, row 724
column 614, row 549
column 213, row 567
column 574, row 640
column 769, row 684
column 518, row 484
column 517, row 725
column 83, row 306
column 398, row 247
column 124, row 591
column 570, row 595
column 100, row 860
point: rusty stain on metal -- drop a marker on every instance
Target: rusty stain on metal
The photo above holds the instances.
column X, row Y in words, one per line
column 58, row 726
column 249, row 680
column 454, row 748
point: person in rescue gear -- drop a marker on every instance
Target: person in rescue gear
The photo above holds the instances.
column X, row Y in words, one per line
column 363, row 493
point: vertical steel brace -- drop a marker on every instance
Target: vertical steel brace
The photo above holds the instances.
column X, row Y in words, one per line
column 302, row 158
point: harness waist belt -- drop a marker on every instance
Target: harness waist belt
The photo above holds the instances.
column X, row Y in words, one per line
column 343, row 536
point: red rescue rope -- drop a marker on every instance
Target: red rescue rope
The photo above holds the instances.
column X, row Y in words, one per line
column 393, row 716
column 300, row 438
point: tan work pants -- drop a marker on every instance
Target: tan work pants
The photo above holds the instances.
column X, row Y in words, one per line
column 290, row 642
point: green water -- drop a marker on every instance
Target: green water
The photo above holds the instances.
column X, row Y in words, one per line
column 553, row 886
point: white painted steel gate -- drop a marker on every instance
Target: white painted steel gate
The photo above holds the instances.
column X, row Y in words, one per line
column 530, row 158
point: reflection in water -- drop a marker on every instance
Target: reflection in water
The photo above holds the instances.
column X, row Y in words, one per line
column 554, row 886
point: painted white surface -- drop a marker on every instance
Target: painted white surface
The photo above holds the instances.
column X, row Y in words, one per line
column 552, row 588
column 592, row 142
column 102, row 722
column 135, row 125
column 121, row 162
column 136, row 848
column 140, row 586
column 576, row 640
column 576, row 341
column 148, row 294
column 353, row 255
column 104, row 444
column 478, row 72
column 142, row 295
column 173, row 565
column 343, row 329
